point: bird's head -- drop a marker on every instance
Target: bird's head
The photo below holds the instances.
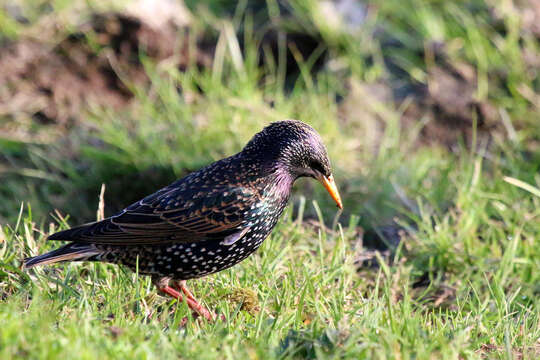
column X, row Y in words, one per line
column 296, row 148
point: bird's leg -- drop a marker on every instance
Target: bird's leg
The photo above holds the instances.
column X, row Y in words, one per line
column 181, row 286
column 162, row 285
column 192, row 302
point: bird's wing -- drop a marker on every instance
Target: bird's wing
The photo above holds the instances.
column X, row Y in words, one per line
column 171, row 215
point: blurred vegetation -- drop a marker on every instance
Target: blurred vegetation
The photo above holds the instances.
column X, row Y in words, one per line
column 187, row 117
column 431, row 114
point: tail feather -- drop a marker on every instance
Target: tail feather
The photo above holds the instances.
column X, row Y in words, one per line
column 69, row 252
column 72, row 234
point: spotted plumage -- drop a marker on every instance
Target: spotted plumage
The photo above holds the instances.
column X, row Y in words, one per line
column 209, row 220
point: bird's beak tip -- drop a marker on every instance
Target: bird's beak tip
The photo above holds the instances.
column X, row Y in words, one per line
column 330, row 186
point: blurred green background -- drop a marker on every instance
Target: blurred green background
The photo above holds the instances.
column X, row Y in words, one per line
column 136, row 94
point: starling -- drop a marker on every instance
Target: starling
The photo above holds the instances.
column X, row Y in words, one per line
column 207, row 221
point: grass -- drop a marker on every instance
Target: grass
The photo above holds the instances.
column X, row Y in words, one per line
column 462, row 284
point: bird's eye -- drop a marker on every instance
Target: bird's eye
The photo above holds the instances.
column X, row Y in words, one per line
column 317, row 166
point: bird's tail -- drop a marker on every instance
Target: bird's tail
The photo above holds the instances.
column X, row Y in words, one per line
column 69, row 252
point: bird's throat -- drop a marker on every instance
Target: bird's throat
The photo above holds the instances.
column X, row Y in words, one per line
column 282, row 185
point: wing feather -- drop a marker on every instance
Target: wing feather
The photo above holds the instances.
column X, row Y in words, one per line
column 168, row 215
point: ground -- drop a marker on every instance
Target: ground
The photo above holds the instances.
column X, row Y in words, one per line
column 432, row 122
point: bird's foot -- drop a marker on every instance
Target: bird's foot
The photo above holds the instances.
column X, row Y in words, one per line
column 181, row 286
column 193, row 305
column 177, row 289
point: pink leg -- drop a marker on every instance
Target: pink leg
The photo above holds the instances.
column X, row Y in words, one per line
column 181, row 286
column 163, row 287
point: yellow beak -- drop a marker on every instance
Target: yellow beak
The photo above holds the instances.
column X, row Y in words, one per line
column 330, row 186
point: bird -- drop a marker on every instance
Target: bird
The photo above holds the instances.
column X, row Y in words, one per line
column 207, row 221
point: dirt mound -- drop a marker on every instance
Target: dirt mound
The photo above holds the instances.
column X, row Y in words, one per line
column 450, row 101
column 54, row 84
column 446, row 103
